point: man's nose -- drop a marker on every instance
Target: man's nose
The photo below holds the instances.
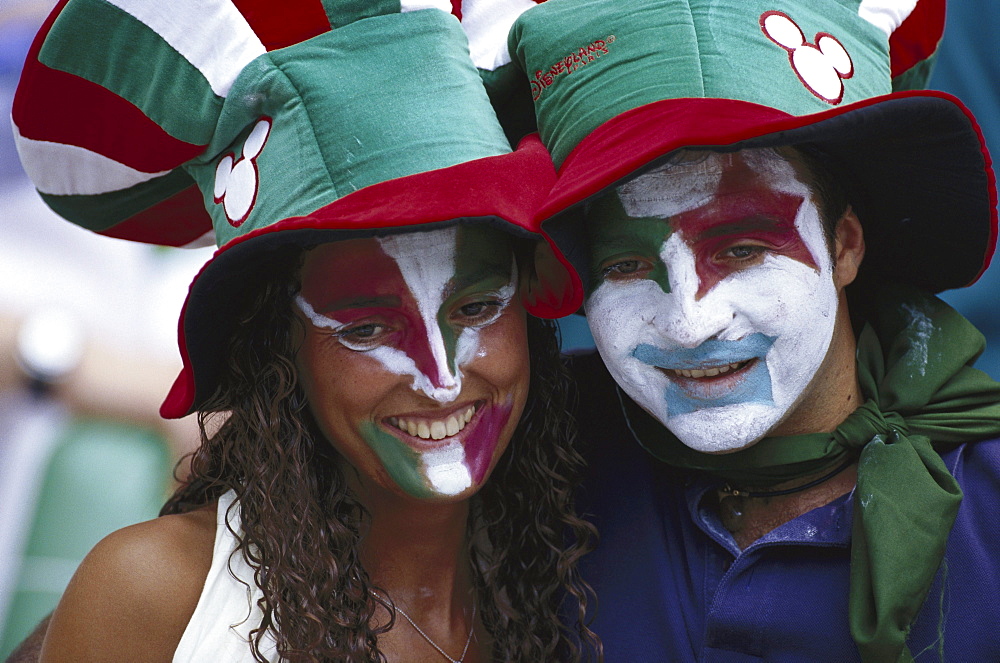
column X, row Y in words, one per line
column 681, row 316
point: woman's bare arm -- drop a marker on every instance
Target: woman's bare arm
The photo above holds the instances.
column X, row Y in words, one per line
column 132, row 596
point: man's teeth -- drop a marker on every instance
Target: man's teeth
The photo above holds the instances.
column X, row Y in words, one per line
column 427, row 429
column 707, row 372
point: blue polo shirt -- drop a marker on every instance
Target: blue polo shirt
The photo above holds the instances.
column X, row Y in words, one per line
column 672, row 585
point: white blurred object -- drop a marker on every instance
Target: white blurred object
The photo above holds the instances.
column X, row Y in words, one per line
column 125, row 294
column 49, row 347
column 50, row 344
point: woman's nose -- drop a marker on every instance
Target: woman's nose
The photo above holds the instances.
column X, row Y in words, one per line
column 436, row 364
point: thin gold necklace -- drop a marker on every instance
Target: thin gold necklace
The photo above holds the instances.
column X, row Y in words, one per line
column 426, row 637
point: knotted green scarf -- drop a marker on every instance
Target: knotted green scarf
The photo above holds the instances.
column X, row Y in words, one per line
column 914, row 369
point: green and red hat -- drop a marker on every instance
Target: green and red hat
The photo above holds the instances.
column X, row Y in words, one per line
column 616, row 92
column 267, row 125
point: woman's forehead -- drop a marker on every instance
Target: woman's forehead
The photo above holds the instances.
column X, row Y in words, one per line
column 459, row 254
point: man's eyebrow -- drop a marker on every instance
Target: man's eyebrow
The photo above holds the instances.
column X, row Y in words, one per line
column 646, row 232
column 750, row 224
column 618, row 245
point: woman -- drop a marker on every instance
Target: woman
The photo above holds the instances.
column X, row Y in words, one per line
column 379, row 477
column 336, row 503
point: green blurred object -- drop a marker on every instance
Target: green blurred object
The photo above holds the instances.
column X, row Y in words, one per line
column 103, row 476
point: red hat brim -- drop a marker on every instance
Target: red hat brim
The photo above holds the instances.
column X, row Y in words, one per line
column 502, row 191
column 914, row 166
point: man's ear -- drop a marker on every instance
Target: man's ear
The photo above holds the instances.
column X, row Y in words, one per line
column 849, row 249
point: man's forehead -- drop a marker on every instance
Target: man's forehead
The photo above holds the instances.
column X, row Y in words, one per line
column 697, row 176
column 611, row 228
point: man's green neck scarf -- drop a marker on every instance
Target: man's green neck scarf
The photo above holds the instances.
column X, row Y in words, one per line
column 914, row 370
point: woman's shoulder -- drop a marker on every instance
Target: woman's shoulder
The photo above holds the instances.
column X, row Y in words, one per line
column 133, row 595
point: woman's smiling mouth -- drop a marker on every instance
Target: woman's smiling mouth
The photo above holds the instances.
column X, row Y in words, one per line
column 427, row 428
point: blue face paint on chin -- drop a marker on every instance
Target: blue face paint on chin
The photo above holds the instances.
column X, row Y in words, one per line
column 748, row 384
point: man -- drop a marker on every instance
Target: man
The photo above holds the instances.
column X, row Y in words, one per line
column 759, row 222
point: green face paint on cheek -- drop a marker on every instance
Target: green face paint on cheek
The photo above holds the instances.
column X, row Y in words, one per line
column 400, row 461
column 614, row 236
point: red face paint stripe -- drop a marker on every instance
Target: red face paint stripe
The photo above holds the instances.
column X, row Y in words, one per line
column 323, row 283
column 96, row 119
column 281, row 24
column 764, row 216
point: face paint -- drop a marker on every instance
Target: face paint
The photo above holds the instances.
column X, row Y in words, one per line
column 415, row 317
column 422, row 265
column 721, row 355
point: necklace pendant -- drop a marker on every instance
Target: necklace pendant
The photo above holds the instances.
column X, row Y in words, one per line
column 731, row 512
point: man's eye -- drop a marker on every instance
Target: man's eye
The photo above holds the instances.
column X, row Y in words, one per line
column 624, row 269
column 743, row 252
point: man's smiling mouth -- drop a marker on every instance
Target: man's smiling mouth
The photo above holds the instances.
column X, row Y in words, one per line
column 427, row 428
column 708, row 371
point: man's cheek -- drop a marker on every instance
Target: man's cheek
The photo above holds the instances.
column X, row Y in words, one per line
column 770, row 290
column 616, row 314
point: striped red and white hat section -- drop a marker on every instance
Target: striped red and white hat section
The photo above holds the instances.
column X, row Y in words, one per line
column 267, row 124
column 117, row 95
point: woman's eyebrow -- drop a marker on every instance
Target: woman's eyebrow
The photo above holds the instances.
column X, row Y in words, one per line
column 359, row 301
column 484, row 271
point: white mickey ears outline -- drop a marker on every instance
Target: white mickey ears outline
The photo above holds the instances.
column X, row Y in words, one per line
column 821, row 66
column 238, row 180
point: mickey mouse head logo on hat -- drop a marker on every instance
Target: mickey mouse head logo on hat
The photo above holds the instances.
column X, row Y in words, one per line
column 237, row 180
column 821, row 66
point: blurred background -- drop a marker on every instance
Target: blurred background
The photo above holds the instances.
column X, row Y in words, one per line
column 88, row 349
column 88, row 345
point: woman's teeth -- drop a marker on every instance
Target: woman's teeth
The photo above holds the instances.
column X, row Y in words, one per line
column 707, row 372
column 434, row 429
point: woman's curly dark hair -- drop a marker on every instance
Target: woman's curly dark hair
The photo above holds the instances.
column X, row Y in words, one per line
column 301, row 527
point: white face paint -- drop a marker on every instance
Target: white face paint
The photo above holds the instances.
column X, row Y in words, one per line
column 426, row 262
column 422, row 305
column 713, row 303
column 446, row 470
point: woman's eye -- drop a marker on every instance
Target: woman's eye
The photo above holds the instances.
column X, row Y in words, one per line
column 479, row 313
column 362, row 337
column 472, row 310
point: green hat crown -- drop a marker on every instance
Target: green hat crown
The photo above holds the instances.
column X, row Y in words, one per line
column 588, row 62
column 370, row 81
column 268, row 126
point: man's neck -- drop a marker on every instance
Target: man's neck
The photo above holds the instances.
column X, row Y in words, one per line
column 826, row 402
column 749, row 518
